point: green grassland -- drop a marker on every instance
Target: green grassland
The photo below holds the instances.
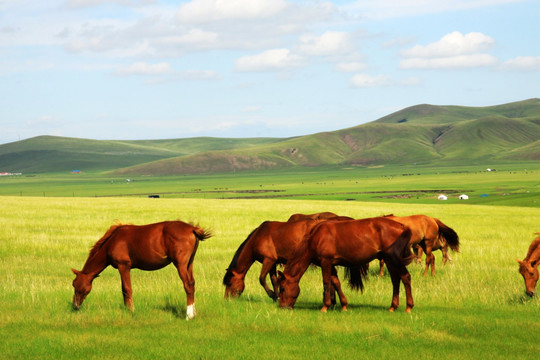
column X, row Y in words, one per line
column 515, row 184
column 473, row 309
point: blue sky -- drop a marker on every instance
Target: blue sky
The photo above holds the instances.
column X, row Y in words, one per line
column 151, row 69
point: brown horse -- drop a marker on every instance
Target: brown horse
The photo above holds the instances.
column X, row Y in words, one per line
column 352, row 244
column 429, row 234
column 272, row 243
column 145, row 247
column 528, row 267
column 316, row 216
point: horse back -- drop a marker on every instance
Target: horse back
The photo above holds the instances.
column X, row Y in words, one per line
column 422, row 226
column 152, row 246
column 354, row 240
column 278, row 240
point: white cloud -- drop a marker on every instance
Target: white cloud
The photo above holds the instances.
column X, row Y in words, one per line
column 269, row 60
column 452, row 44
column 453, row 50
column 203, row 11
column 89, row 3
column 143, row 68
column 365, row 80
column 329, row 43
column 523, row 63
column 450, row 62
column 377, row 9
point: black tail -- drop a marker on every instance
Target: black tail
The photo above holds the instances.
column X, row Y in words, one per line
column 201, row 234
column 356, row 275
column 400, row 251
column 451, row 237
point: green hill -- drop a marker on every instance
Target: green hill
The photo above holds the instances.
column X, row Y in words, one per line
column 44, row 154
column 422, row 134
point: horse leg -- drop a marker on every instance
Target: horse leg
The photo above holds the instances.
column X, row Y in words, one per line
column 418, row 253
column 406, row 280
column 381, row 268
column 124, row 270
column 446, row 256
column 273, row 280
column 327, row 284
column 399, row 273
column 267, row 266
column 185, row 271
column 337, row 286
column 394, row 275
column 430, row 261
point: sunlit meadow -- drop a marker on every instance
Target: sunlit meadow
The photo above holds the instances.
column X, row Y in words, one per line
column 475, row 308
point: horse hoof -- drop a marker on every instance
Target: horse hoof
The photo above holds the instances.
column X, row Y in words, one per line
column 408, row 310
column 324, row 309
column 343, row 308
column 391, row 310
column 190, row 312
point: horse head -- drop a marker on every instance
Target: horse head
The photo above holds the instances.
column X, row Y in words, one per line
column 234, row 284
column 288, row 290
column 82, row 285
column 529, row 271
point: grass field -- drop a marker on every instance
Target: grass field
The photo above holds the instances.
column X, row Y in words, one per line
column 474, row 309
column 511, row 184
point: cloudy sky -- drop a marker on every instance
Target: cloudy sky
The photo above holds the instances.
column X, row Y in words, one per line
column 157, row 69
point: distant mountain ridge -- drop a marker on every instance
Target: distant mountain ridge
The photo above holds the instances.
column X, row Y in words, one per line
column 421, row 134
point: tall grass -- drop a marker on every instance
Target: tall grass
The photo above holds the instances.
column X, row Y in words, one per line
column 473, row 309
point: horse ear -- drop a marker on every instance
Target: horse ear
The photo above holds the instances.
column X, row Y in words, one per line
column 519, row 261
column 76, row 272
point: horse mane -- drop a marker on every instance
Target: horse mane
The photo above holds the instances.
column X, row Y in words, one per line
column 301, row 251
column 228, row 275
column 534, row 246
column 99, row 244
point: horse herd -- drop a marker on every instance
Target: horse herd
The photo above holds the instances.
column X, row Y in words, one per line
column 324, row 239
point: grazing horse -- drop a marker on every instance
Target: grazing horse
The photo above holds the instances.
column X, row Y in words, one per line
column 429, row 234
column 528, row 267
column 352, row 244
column 145, row 247
column 316, row 216
column 272, row 243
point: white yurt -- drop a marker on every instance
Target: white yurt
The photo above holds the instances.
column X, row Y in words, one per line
column 442, row 197
column 463, row 197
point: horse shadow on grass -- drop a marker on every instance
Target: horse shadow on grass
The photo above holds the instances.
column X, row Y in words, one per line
column 521, row 299
column 178, row 311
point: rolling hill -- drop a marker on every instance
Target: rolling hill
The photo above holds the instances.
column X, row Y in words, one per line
column 421, row 134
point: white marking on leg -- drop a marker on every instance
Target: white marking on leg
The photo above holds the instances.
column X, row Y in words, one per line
column 190, row 312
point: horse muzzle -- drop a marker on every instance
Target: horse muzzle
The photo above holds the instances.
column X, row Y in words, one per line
column 530, row 293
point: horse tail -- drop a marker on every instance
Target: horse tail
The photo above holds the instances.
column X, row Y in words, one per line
column 451, row 237
column 201, row 234
column 356, row 275
column 400, row 251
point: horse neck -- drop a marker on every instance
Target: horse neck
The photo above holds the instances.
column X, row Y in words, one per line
column 534, row 252
column 243, row 259
column 96, row 262
column 297, row 265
